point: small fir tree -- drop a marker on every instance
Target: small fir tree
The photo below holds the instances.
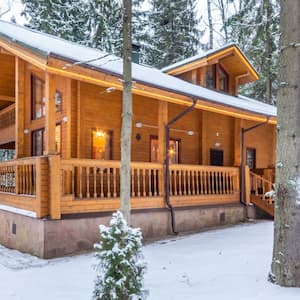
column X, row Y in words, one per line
column 120, row 262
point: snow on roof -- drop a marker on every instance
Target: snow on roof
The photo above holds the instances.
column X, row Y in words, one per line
column 48, row 45
column 196, row 57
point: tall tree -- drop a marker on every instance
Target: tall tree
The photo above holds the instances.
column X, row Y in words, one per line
column 63, row 18
column 210, row 25
column 255, row 28
column 286, row 251
column 126, row 111
column 174, row 31
column 105, row 25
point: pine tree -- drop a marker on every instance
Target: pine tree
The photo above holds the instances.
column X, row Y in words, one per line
column 120, row 262
column 255, row 28
column 174, row 31
column 63, row 18
column 105, row 25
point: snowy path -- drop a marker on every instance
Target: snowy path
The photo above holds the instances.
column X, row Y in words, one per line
column 225, row 264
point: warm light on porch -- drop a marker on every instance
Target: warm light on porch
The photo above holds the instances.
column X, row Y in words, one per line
column 100, row 133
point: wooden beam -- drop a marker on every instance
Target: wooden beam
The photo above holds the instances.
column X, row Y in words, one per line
column 55, row 187
column 162, row 121
column 50, row 120
column 237, row 142
column 7, row 98
column 20, row 107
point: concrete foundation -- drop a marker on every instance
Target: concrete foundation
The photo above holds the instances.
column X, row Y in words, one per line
column 48, row 238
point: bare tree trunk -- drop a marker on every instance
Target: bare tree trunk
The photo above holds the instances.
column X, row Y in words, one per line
column 286, row 251
column 126, row 112
column 210, row 25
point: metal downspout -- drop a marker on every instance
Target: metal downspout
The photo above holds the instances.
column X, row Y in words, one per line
column 167, row 163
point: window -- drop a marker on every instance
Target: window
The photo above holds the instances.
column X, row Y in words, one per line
column 251, row 158
column 211, row 77
column 58, row 101
column 216, row 157
column 102, row 145
column 223, row 80
column 38, row 142
column 58, row 138
column 37, row 97
column 174, row 150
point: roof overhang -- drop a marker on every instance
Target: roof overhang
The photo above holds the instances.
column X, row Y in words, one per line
column 63, row 66
column 231, row 58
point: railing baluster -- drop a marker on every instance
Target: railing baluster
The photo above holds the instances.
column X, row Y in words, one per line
column 115, row 181
column 95, row 181
column 132, row 183
column 149, row 183
column 108, row 183
column 101, row 183
column 87, row 169
column 144, row 182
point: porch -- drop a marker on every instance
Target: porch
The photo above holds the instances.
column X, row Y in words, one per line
column 49, row 186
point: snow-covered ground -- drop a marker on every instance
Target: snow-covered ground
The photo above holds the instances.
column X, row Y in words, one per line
column 225, row 264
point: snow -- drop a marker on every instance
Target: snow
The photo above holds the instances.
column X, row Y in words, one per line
column 19, row 211
column 227, row 264
column 48, row 45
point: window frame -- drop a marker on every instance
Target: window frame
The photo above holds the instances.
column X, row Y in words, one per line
column 33, row 79
column 155, row 137
column 221, row 70
column 254, row 157
column 33, row 142
column 110, row 154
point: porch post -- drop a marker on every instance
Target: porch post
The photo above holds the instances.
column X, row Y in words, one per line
column 237, row 142
column 162, row 121
column 19, row 107
column 50, row 121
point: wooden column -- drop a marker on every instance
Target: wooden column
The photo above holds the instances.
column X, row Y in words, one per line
column 237, row 142
column 204, row 148
column 20, row 107
column 55, row 187
column 194, row 76
column 162, row 121
column 66, row 125
column 247, row 185
column 50, row 122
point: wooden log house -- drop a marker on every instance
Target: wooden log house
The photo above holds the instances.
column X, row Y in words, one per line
column 60, row 110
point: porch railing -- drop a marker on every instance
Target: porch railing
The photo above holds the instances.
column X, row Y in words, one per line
column 91, row 179
column 24, row 185
column 196, row 180
column 7, row 116
column 54, row 186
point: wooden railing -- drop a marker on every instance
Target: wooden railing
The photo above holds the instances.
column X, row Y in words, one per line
column 7, row 116
column 203, row 180
column 262, row 193
column 91, row 179
column 261, row 187
column 22, row 184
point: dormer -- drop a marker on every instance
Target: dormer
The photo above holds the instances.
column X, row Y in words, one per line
column 224, row 69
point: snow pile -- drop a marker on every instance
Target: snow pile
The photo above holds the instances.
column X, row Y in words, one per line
column 121, row 266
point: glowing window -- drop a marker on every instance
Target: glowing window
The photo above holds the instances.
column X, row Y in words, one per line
column 102, row 144
column 174, row 150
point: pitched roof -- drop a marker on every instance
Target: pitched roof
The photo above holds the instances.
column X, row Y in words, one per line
column 50, row 46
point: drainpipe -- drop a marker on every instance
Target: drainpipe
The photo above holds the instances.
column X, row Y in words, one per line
column 244, row 131
column 167, row 163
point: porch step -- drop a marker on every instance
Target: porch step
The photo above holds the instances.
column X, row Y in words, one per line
column 266, row 205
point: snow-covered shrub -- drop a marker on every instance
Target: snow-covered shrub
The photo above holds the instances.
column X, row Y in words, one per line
column 121, row 266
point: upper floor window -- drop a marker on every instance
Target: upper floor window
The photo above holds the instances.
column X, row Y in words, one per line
column 102, row 145
column 223, row 80
column 58, row 101
column 37, row 97
column 211, row 77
